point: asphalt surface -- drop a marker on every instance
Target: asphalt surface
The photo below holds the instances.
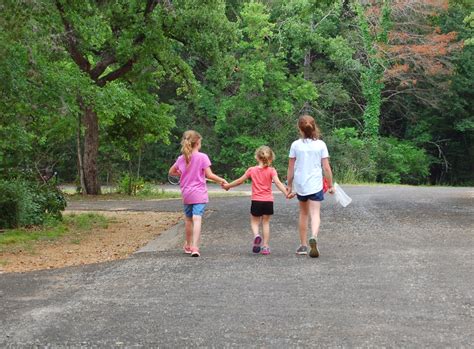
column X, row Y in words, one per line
column 396, row 270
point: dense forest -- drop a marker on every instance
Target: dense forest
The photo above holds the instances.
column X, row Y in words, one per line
column 101, row 90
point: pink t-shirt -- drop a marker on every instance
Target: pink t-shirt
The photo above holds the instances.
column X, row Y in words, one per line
column 193, row 178
column 261, row 182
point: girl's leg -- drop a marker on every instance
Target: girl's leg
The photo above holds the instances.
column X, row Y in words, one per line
column 314, row 213
column 266, row 229
column 188, row 230
column 197, row 221
column 254, row 224
column 303, row 222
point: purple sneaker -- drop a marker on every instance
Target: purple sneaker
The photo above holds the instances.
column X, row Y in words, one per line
column 256, row 244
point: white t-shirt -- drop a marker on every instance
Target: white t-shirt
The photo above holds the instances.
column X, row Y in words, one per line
column 308, row 177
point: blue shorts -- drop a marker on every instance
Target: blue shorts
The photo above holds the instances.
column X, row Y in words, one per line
column 319, row 196
column 194, row 209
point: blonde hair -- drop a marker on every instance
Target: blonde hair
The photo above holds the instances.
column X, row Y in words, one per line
column 265, row 155
column 188, row 142
column 308, row 127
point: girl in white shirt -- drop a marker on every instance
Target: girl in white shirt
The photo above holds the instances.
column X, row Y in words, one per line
column 309, row 157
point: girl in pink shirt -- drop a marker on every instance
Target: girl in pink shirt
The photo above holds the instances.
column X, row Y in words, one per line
column 193, row 167
column 261, row 209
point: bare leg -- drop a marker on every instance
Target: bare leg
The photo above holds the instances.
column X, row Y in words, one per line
column 197, row 220
column 266, row 229
column 188, row 230
column 314, row 213
column 303, row 222
column 254, row 224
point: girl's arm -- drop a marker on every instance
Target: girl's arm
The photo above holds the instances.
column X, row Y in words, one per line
column 235, row 183
column 290, row 174
column 174, row 171
column 328, row 174
column 280, row 185
column 213, row 177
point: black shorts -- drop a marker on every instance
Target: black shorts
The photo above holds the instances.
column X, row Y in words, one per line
column 260, row 208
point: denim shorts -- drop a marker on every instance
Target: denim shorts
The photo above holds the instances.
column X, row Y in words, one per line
column 319, row 196
column 194, row 209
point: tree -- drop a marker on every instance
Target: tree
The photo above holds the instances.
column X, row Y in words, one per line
column 262, row 98
column 123, row 51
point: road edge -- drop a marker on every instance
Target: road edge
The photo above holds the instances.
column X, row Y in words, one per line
column 165, row 241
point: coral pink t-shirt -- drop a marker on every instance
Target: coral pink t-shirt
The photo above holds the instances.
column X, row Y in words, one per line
column 261, row 182
column 193, row 178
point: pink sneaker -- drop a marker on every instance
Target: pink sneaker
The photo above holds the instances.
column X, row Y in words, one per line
column 265, row 250
column 195, row 252
column 256, row 244
column 187, row 249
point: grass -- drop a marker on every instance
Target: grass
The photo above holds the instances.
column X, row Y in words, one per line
column 52, row 230
column 153, row 195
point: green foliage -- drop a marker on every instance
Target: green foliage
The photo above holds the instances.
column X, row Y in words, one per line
column 401, row 162
column 351, row 158
column 240, row 72
column 265, row 96
column 395, row 161
column 26, row 203
column 52, row 229
column 469, row 21
column 129, row 184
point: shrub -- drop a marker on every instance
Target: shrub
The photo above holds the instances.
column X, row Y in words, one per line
column 401, row 161
column 24, row 203
column 9, row 206
column 351, row 159
column 130, row 185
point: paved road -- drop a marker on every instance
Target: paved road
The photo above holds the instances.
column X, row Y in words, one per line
column 395, row 271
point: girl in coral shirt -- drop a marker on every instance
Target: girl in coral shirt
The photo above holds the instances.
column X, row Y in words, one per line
column 261, row 208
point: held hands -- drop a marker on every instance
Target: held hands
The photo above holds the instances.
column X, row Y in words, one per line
column 225, row 185
column 289, row 193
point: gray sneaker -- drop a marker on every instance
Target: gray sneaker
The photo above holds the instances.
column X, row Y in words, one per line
column 313, row 244
column 302, row 250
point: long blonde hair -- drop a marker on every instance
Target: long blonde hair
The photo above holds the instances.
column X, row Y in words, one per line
column 265, row 155
column 188, row 142
column 308, row 127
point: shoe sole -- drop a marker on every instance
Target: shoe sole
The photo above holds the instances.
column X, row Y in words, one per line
column 256, row 244
column 301, row 253
column 313, row 252
column 195, row 254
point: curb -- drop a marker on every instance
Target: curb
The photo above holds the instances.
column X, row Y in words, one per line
column 166, row 240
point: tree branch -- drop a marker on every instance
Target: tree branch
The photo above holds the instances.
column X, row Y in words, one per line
column 100, row 67
column 71, row 39
column 117, row 73
column 150, row 6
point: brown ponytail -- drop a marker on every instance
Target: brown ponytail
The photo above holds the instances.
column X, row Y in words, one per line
column 308, row 127
column 188, row 142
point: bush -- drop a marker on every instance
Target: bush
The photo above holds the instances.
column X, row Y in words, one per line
column 24, row 203
column 401, row 161
column 9, row 206
column 388, row 160
column 351, row 159
column 130, row 185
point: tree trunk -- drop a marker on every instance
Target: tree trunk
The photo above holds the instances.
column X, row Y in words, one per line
column 80, row 166
column 307, row 76
column 91, row 150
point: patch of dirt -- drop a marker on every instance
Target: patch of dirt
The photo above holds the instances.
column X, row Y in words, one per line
column 125, row 233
